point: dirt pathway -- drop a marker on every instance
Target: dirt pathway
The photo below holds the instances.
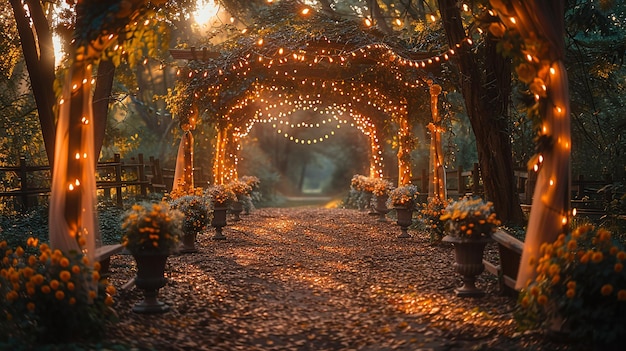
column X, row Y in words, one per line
column 317, row 279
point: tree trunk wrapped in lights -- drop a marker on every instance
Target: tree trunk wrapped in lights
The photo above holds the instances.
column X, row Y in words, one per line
column 183, row 174
column 72, row 200
column 437, row 184
column 404, row 152
column 543, row 69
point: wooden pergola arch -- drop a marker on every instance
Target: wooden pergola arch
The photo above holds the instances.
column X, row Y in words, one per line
column 314, row 54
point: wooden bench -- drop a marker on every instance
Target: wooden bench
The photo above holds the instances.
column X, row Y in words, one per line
column 510, row 252
column 103, row 255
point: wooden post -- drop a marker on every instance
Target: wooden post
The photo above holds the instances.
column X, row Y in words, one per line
column 23, row 184
column 118, row 178
column 460, row 182
column 476, row 179
column 141, row 176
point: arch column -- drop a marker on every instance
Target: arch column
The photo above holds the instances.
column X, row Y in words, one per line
column 404, row 152
column 437, row 184
column 183, row 174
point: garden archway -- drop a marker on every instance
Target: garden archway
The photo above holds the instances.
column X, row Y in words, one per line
column 342, row 61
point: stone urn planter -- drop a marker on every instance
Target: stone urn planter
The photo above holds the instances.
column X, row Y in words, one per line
column 405, row 219
column 150, row 278
column 219, row 221
column 189, row 243
column 236, row 207
column 468, row 263
column 381, row 207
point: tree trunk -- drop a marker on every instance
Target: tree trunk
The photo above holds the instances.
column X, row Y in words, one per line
column 101, row 99
column 486, row 90
column 39, row 56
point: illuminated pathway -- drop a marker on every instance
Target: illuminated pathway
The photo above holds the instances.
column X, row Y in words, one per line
column 317, row 279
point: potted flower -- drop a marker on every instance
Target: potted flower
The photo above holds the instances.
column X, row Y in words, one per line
column 380, row 189
column 580, row 289
column 242, row 191
column 196, row 218
column 469, row 223
column 364, row 187
column 403, row 199
column 151, row 232
column 254, row 183
column 220, row 197
column 51, row 297
column 430, row 214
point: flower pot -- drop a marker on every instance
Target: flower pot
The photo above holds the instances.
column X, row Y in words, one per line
column 236, row 208
column 219, row 221
column 381, row 207
column 468, row 255
column 405, row 219
column 189, row 243
column 150, row 278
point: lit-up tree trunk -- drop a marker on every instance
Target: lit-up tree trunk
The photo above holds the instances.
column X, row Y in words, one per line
column 437, row 183
column 543, row 22
column 183, row 175
column 219, row 157
column 404, row 151
column 72, row 200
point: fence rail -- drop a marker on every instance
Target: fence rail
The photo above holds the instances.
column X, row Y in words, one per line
column 116, row 174
column 586, row 194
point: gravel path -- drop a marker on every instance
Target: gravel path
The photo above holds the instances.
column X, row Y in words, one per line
column 317, row 279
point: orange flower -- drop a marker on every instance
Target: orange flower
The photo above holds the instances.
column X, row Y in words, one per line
column 570, row 293
column 54, row 284
column 70, row 286
column 542, row 299
column 65, row 276
column 572, row 244
column 621, row 255
column 75, row 269
column 108, row 300
column 64, row 262
column 45, row 289
column 618, row 267
column 597, row 257
column 110, row 290
column 571, row 284
column 72, row 301
column 621, row 295
column 606, row 289
column 60, row 295
column 30, row 306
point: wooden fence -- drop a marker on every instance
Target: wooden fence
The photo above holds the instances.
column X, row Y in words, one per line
column 116, row 175
column 586, row 194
